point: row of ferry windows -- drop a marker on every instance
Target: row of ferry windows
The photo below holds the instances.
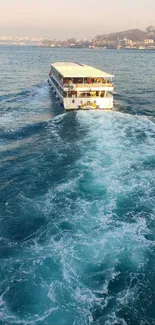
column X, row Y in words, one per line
column 74, row 94
column 78, row 80
column 85, row 80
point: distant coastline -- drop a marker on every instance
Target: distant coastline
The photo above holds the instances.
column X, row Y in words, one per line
column 77, row 48
column 133, row 39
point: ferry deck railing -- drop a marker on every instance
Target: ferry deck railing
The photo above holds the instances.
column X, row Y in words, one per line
column 91, row 97
column 88, row 85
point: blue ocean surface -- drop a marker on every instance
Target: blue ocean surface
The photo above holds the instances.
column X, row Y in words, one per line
column 77, row 194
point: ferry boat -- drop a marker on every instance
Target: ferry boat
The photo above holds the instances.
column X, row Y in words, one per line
column 79, row 86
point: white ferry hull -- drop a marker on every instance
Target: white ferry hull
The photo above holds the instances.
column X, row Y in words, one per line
column 85, row 103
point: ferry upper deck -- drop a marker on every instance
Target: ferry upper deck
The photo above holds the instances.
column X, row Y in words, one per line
column 72, row 69
column 75, row 75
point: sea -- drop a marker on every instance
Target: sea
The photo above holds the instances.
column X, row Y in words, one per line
column 77, row 194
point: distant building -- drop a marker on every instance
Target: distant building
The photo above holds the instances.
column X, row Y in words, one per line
column 148, row 41
column 150, row 28
column 125, row 42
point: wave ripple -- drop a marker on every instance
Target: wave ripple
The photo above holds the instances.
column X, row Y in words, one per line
column 77, row 247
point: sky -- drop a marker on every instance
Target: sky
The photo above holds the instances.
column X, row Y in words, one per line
column 73, row 18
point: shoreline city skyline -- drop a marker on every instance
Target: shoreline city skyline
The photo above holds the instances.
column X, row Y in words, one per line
column 72, row 35
column 129, row 39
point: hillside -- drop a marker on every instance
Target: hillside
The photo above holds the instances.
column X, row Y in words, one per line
column 132, row 34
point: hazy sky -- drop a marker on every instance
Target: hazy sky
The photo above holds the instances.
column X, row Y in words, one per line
column 63, row 18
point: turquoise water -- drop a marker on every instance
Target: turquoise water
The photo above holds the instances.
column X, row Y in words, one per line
column 77, row 194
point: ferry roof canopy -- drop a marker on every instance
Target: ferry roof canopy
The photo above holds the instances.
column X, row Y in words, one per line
column 71, row 69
